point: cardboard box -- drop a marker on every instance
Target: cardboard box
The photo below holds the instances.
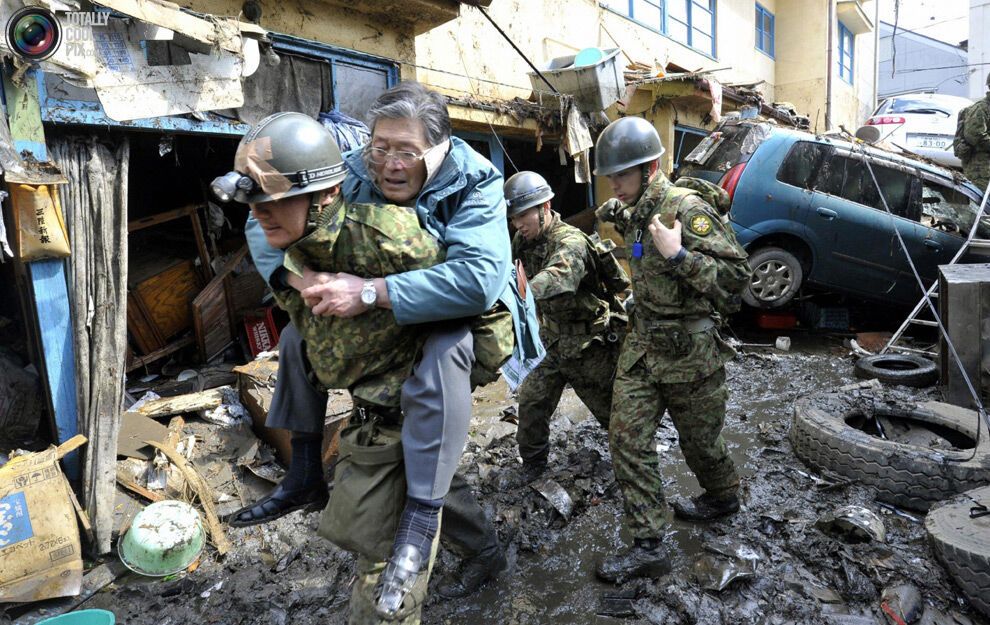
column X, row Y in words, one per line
column 39, row 538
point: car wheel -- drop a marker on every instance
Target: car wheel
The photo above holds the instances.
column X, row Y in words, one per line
column 962, row 542
column 912, row 476
column 777, row 276
column 905, row 369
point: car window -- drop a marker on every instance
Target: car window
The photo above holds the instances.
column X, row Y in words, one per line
column 803, row 160
column 728, row 146
column 919, row 105
column 949, row 210
column 850, row 179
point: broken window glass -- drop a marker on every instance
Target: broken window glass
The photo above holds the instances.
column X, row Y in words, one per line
column 850, row 179
column 946, row 209
column 802, row 163
column 730, row 145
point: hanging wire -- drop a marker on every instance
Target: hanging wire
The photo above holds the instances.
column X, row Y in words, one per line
column 981, row 414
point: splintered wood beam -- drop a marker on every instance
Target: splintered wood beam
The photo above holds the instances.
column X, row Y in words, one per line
column 193, row 402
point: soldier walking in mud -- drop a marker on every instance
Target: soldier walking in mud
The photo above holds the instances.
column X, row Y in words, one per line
column 689, row 269
column 974, row 147
column 575, row 281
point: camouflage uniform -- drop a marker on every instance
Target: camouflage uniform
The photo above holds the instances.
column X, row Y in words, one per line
column 576, row 321
column 370, row 354
column 673, row 357
column 976, row 133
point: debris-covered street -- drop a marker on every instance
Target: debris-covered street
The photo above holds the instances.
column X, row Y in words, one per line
column 787, row 570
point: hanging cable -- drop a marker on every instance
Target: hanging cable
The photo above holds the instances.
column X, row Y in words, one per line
column 981, row 414
column 515, row 47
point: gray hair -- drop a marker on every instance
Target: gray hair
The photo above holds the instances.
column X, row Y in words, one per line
column 411, row 100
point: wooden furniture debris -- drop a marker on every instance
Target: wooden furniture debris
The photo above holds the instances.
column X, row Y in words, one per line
column 213, row 312
column 203, row 492
column 192, row 402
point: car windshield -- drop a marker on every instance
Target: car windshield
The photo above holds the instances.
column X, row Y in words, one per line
column 948, row 209
column 920, row 106
column 729, row 145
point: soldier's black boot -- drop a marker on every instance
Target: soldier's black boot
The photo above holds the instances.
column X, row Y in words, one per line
column 646, row 558
column 705, row 507
column 473, row 573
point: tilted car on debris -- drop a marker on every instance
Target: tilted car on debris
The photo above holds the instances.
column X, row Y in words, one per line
column 807, row 210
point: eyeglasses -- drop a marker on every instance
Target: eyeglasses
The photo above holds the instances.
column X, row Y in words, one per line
column 378, row 156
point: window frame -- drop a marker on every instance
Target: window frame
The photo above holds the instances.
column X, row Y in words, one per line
column 663, row 27
column 847, row 72
column 761, row 14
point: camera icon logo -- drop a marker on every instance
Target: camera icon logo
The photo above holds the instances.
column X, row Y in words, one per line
column 33, row 33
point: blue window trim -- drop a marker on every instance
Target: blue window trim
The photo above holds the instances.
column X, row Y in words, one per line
column 663, row 30
column 846, row 72
column 761, row 14
column 685, row 130
column 494, row 147
column 91, row 113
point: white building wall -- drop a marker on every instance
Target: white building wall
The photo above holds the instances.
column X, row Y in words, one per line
column 979, row 47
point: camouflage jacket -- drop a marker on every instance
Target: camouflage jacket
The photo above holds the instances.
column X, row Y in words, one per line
column 976, row 129
column 564, row 277
column 671, row 301
column 370, row 354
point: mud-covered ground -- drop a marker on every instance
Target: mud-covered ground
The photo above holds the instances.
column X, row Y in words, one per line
column 282, row 573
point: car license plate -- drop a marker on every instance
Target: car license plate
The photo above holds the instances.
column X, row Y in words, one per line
column 937, row 142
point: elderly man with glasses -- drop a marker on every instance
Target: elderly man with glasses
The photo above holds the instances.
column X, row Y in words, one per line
column 412, row 160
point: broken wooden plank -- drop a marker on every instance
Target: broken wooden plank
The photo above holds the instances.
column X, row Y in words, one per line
column 174, row 346
column 192, row 402
column 137, row 489
column 203, row 491
column 220, row 32
column 80, row 512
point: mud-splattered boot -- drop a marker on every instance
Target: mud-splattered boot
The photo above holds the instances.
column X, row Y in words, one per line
column 705, row 507
column 646, row 558
column 473, row 574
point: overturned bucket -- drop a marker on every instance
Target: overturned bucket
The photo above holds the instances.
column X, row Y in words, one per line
column 164, row 538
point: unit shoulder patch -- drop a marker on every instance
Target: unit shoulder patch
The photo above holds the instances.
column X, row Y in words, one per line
column 700, row 224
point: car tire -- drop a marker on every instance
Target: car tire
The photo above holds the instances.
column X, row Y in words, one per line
column 777, row 277
column 909, row 476
column 962, row 544
column 904, row 369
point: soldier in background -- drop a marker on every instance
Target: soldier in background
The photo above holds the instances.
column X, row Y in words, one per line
column 974, row 147
column 688, row 272
column 576, row 283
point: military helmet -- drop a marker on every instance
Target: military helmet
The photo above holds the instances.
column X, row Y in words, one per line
column 625, row 143
column 285, row 154
column 524, row 190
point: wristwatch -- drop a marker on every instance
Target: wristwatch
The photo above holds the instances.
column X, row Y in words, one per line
column 369, row 296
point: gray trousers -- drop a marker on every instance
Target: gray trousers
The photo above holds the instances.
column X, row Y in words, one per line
column 436, row 401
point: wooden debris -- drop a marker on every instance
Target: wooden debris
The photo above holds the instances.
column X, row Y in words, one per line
column 203, row 491
column 136, row 488
column 92, row 582
column 192, row 402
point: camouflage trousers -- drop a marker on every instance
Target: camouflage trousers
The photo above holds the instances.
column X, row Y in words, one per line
column 367, row 573
column 977, row 169
column 590, row 375
column 698, row 411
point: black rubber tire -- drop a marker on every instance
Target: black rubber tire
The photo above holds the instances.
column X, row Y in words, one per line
column 909, row 476
column 781, row 268
column 963, row 545
column 904, row 369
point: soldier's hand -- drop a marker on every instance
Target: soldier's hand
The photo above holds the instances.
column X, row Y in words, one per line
column 339, row 296
column 310, row 278
column 667, row 240
column 606, row 212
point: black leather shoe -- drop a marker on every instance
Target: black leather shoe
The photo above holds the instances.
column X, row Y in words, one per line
column 704, row 507
column 279, row 503
column 646, row 558
column 474, row 573
column 394, row 594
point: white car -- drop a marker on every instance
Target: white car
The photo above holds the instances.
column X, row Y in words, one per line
column 923, row 123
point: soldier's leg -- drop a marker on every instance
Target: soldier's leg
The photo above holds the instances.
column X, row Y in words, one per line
column 469, row 533
column 698, row 411
column 594, row 378
column 539, row 395
column 636, row 413
column 298, row 406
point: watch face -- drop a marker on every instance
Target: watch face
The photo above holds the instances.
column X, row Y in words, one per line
column 368, row 296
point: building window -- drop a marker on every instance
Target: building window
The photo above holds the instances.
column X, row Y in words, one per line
column 686, row 139
column 764, row 31
column 691, row 22
column 847, row 53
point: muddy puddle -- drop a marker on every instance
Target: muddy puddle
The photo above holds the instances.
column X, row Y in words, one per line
column 282, row 573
